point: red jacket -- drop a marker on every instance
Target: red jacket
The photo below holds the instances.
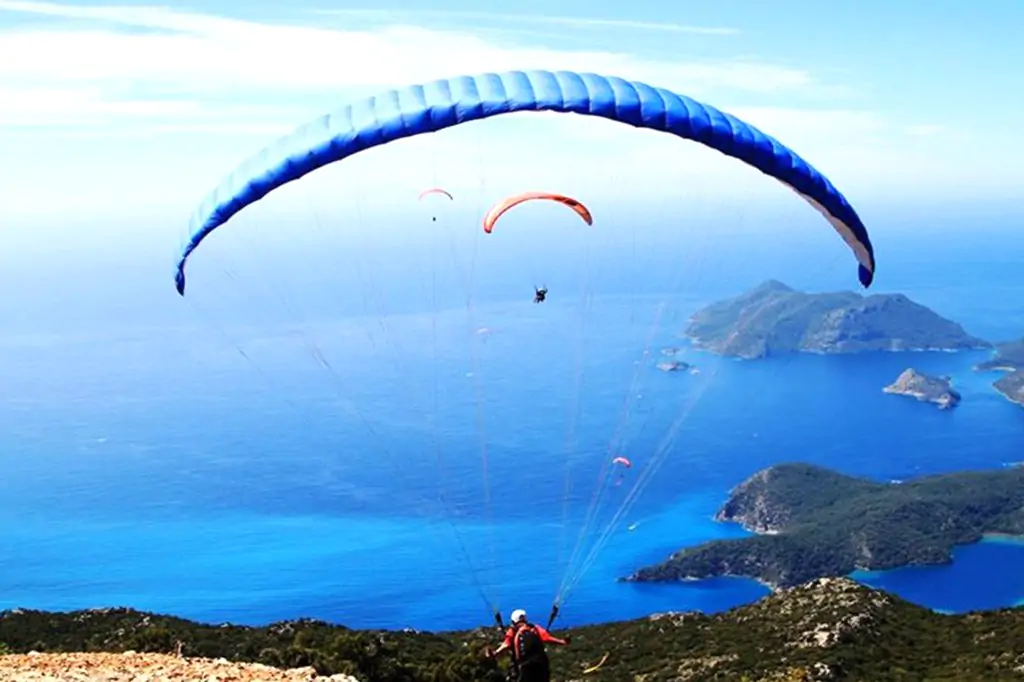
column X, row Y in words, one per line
column 544, row 635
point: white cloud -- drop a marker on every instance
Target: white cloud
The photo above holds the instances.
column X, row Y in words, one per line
column 812, row 123
column 571, row 22
column 203, row 57
column 194, row 94
column 925, row 129
column 35, row 106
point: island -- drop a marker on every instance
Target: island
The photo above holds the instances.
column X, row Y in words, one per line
column 673, row 365
column 1009, row 357
column 773, row 318
column 812, row 522
column 926, row 388
column 827, row 629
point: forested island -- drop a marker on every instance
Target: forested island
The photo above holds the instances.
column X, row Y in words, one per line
column 813, row 522
column 926, row 388
column 829, row 629
column 774, row 318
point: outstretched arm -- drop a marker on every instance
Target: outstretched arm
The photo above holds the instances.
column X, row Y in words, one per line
column 548, row 637
column 504, row 646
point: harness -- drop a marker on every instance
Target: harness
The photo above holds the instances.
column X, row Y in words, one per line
column 527, row 645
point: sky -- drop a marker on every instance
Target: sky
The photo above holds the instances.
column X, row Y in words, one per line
column 118, row 116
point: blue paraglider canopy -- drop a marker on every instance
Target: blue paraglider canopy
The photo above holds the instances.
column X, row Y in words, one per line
column 418, row 109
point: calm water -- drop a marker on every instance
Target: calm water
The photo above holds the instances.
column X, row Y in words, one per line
column 277, row 447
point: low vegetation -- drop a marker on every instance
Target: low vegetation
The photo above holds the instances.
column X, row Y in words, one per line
column 830, row 629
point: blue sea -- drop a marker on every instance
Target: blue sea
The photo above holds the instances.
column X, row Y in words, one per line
column 393, row 435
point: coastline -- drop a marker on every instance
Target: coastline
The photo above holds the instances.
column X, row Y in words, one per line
column 996, row 368
column 707, row 346
column 994, row 537
column 1009, row 397
column 1003, row 538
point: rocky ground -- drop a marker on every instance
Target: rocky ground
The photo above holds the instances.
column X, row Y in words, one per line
column 136, row 667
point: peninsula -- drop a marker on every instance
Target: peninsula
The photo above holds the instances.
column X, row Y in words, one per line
column 812, row 522
column 1009, row 358
column 774, row 318
column 925, row 388
column 1012, row 386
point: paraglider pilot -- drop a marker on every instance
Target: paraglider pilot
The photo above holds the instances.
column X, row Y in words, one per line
column 539, row 294
column 525, row 641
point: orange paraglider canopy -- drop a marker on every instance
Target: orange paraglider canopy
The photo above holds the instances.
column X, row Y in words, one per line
column 505, row 204
column 622, row 460
column 436, row 190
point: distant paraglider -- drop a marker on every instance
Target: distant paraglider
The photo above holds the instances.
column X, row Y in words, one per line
column 626, row 464
column 435, row 190
column 500, row 208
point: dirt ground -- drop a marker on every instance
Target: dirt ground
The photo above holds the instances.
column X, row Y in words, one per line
column 133, row 667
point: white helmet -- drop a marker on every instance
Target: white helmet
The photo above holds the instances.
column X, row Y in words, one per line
column 518, row 615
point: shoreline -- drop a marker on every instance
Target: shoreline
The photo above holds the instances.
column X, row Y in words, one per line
column 993, row 538
column 1005, row 538
column 1009, row 397
column 997, row 368
column 707, row 347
